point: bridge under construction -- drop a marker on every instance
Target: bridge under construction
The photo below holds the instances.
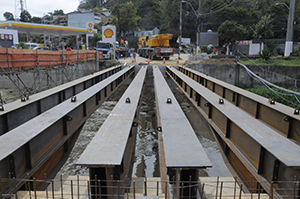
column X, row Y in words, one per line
column 259, row 138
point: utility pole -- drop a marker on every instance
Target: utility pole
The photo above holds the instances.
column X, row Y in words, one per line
column 180, row 28
column 199, row 27
column 289, row 34
column 290, row 29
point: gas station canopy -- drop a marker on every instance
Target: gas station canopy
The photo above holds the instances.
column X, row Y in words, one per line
column 34, row 28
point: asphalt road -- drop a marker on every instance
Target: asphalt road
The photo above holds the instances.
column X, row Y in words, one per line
column 141, row 60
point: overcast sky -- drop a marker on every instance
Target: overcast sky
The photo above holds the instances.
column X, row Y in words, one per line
column 39, row 7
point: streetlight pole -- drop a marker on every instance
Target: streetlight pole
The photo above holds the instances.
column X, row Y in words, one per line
column 198, row 21
column 290, row 28
column 180, row 29
column 199, row 27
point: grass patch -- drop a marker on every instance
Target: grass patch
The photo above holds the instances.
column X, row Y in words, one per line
column 288, row 100
column 275, row 61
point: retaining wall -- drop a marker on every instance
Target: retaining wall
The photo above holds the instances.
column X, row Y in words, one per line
column 235, row 74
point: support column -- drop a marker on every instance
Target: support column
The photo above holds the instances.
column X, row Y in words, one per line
column 87, row 41
column 290, row 29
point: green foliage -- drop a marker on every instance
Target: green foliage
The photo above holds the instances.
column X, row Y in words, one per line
column 36, row 20
column 90, row 4
column 272, row 45
column 25, row 16
column 203, row 49
column 125, row 17
column 22, row 45
column 282, row 61
column 149, row 12
column 58, row 12
column 8, row 16
column 93, row 40
column 263, row 29
column 96, row 9
column 231, row 31
column 265, row 54
column 283, row 99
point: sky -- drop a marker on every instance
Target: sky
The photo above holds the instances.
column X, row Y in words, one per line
column 39, row 8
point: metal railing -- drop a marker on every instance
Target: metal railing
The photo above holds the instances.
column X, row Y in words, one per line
column 82, row 187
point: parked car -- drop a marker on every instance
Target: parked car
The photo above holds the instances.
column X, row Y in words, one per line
column 41, row 48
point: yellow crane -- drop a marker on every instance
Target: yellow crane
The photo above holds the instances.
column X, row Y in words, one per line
column 155, row 46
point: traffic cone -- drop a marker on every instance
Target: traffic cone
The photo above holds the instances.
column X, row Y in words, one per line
column 164, row 61
column 132, row 60
column 177, row 60
column 148, row 60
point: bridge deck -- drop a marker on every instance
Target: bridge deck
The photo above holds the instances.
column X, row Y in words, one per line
column 181, row 145
column 23, row 134
column 282, row 148
column 108, row 146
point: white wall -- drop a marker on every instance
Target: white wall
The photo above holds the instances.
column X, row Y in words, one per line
column 14, row 33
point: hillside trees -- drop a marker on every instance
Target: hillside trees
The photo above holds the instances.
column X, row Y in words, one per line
column 231, row 31
column 149, row 12
column 124, row 17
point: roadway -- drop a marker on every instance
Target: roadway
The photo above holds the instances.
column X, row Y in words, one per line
column 171, row 62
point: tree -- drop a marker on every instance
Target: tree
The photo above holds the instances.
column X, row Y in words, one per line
column 90, row 4
column 230, row 31
column 97, row 9
column 125, row 17
column 36, row 20
column 25, row 16
column 58, row 12
column 149, row 12
column 263, row 29
column 8, row 16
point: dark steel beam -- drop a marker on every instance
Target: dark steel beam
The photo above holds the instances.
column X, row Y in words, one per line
column 38, row 145
column 253, row 148
column 179, row 138
column 110, row 153
column 17, row 113
column 283, row 118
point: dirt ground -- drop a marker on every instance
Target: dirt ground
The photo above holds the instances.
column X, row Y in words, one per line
column 225, row 61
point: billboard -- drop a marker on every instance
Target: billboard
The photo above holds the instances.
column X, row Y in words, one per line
column 109, row 34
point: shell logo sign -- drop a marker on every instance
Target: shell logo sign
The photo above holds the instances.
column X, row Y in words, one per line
column 90, row 27
column 108, row 33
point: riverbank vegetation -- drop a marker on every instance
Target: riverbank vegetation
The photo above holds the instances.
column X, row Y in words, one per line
column 274, row 61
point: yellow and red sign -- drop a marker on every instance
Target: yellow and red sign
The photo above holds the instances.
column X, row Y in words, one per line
column 108, row 33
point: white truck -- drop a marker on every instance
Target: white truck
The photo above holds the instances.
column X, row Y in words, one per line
column 105, row 48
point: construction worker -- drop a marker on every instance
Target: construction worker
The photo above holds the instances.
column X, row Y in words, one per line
column 122, row 42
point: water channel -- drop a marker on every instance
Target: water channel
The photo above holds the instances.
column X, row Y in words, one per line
column 146, row 162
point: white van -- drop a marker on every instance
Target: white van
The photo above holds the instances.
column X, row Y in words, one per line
column 32, row 45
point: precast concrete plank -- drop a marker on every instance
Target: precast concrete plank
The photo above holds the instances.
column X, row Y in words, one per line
column 19, row 136
column 181, row 145
column 108, row 145
column 281, row 147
